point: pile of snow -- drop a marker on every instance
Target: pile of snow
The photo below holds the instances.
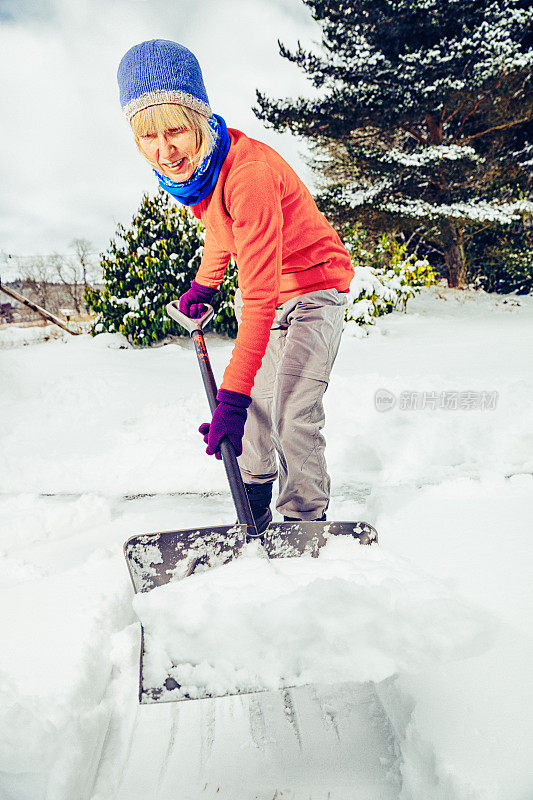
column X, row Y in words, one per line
column 18, row 336
column 352, row 614
column 55, row 667
column 441, row 301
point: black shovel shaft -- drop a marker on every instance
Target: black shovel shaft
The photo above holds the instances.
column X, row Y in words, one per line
column 238, row 492
column 195, row 327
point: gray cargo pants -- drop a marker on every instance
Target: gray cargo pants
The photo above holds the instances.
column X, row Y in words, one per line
column 287, row 415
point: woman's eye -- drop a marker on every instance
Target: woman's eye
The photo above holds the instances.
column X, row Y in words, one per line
column 175, row 130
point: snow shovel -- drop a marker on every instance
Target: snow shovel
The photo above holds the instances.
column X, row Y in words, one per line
column 155, row 559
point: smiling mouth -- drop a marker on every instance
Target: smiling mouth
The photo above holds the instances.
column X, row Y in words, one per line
column 176, row 164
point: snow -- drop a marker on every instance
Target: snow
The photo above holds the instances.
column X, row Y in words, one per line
column 17, row 336
column 421, row 157
column 55, row 669
column 353, row 614
column 99, row 443
column 478, row 210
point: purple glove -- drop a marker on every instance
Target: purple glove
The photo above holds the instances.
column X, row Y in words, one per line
column 191, row 302
column 228, row 420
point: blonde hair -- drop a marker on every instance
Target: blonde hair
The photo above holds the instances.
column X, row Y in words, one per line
column 168, row 116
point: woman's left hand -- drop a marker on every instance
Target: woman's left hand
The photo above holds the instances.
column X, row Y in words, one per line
column 191, row 302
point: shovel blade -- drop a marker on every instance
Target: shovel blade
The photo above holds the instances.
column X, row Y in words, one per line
column 293, row 539
column 155, row 559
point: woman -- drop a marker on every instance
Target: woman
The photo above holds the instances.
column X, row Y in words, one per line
column 293, row 275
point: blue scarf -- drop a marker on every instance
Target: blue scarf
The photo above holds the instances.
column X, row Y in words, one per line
column 202, row 181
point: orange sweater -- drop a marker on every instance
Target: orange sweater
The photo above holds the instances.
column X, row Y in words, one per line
column 261, row 213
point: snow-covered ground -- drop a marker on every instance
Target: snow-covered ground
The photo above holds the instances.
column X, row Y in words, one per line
column 99, row 443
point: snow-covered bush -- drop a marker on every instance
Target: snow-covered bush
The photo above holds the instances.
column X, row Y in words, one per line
column 147, row 266
column 385, row 278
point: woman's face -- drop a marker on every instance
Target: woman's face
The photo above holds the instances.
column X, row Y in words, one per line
column 173, row 152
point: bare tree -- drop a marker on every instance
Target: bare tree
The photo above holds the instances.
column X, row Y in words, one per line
column 75, row 272
column 70, row 275
column 84, row 255
column 56, row 280
column 36, row 278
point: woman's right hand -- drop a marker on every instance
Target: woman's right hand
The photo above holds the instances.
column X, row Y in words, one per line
column 228, row 420
column 191, row 303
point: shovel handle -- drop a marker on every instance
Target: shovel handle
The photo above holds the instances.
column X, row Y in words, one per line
column 186, row 322
column 233, row 473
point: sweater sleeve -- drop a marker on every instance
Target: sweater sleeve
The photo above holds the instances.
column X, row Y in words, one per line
column 213, row 263
column 255, row 207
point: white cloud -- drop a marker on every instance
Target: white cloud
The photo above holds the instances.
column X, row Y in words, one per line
column 68, row 165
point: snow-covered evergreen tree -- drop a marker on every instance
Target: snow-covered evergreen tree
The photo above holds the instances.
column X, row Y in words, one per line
column 147, row 266
column 421, row 117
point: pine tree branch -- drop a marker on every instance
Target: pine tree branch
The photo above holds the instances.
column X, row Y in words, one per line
column 475, row 108
column 473, row 232
column 417, row 231
column 495, row 128
column 418, row 136
column 445, row 120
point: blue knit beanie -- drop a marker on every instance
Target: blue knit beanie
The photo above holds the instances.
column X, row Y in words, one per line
column 160, row 71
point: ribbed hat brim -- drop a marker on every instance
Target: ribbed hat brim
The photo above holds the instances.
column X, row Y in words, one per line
column 168, row 96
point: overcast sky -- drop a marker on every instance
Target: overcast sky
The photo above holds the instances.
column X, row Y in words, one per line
column 68, row 165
